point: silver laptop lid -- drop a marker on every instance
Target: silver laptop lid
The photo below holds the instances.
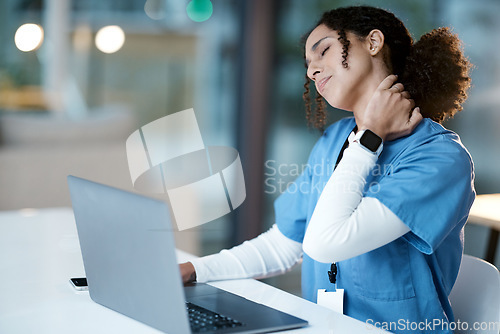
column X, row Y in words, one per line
column 128, row 251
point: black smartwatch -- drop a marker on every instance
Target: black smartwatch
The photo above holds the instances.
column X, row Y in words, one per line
column 369, row 141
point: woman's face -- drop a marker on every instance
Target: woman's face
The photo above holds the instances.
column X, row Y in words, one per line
column 344, row 88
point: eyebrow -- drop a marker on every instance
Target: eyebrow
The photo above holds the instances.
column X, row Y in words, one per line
column 315, row 46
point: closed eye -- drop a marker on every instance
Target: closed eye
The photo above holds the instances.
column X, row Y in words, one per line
column 324, row 51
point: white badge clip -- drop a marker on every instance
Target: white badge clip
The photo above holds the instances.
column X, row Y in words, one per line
column 334, row 300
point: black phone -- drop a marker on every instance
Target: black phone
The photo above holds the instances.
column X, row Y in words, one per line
column 79, row 284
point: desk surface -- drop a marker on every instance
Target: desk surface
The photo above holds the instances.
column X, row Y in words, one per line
column 39, row 252
column 486, row 211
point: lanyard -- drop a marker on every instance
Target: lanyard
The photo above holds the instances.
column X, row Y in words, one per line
column 332, row 273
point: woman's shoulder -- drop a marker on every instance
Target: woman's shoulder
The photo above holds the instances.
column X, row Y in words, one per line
column 332, row 138
column 340, row 126
column 336, row 133
column 433, row 139
column 434, row 133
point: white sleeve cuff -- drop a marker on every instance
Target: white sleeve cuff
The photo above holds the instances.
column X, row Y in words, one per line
column 269, row 254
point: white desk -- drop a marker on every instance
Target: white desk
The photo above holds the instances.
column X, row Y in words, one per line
column 486, row 211
column 39, row 252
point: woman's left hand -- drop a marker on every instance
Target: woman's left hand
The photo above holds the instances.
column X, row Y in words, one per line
column 390, row 113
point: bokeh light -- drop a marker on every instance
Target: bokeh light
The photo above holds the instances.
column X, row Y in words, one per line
column 199, row 10
column 110, row 39
column 154, row 9
column 28, row 37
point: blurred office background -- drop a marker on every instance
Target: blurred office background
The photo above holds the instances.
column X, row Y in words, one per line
column 69, row 99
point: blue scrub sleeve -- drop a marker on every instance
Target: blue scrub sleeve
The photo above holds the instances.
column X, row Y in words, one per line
column 291, row 207
column 430, row 189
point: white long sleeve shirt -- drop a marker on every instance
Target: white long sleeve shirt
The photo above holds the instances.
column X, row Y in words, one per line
column 344, row 224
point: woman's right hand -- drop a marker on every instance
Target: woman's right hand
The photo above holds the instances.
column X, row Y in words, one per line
column 188, row 272
column 391, row 112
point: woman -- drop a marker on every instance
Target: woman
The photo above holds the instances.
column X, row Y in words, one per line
column 388, row 221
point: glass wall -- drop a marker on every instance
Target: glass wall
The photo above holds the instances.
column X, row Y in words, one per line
column 167, row 62
column 65, row 88
column 478, row 26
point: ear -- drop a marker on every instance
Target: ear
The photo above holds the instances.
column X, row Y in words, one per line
column 375, row 41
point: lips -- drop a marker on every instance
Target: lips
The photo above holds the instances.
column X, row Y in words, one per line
column 322, row 83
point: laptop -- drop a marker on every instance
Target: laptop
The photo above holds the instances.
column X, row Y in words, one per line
column 130, row 262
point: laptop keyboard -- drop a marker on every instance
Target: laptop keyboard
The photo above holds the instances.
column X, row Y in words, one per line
column 203, row 320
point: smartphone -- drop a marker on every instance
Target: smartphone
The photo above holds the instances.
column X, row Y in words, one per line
column 79, row 284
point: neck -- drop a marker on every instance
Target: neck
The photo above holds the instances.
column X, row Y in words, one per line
column 371, row 85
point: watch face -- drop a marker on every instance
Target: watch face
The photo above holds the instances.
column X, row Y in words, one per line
column 370, row 140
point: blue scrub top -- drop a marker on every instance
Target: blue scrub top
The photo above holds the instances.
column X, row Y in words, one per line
column 426, row 179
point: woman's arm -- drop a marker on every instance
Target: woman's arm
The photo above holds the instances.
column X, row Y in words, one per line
column 344, row 223
column 269, row 254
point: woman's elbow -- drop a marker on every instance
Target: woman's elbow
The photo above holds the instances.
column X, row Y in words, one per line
column 327, row 249
column 318, row 250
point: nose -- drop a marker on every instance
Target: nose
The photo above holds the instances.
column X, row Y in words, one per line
column 313, row 71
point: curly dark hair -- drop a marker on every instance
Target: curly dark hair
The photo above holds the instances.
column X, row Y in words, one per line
column 433, row 70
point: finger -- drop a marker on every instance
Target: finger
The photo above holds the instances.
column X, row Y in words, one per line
column 397, row 88
column 416, row 117
column 412, row 103
column 388, row 82
column 406, row 95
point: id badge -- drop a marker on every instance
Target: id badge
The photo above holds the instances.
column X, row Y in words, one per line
column 334, row 300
